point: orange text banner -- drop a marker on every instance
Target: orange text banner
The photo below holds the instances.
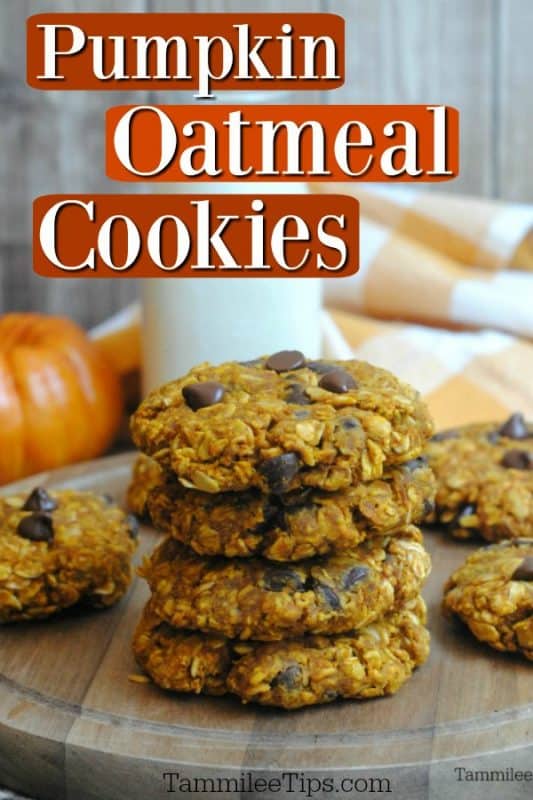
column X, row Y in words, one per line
column 198, row 53
column 280, row 143
column 226, row 235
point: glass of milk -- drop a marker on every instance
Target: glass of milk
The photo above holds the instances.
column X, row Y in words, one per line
column 190, row 320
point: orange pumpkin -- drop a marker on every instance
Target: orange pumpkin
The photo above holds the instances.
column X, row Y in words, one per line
column 60, row 399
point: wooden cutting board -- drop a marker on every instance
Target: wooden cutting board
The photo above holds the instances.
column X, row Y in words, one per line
column 73, row 726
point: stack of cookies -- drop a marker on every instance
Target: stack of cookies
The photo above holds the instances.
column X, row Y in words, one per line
column 288, row 492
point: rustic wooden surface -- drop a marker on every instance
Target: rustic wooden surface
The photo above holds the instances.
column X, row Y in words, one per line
column 474, row 55
column 72, row 726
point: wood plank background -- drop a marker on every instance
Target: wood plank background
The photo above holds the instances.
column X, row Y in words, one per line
column 474, row 55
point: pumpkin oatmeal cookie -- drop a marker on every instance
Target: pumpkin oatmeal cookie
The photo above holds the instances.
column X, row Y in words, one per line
column 281, row 422
column 256, row 599
column 289, row 527
column 492, row 592
column 60, row 548
column 484, row 479
column 146, row 475
column 181, row 660
column 371, row 662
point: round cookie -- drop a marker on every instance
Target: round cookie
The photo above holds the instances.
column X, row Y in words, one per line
column 280, row 423
column 372, row 662
column 299, row 524
column 146, row 475
column 60, row 548
column 256, row 599
column 484, row 478
column 492, row 592
column 181, row 660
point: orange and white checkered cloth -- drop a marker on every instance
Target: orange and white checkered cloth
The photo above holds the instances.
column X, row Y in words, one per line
column 463, row 335
column 399, row 278
column 465, row 376
column 483, row 233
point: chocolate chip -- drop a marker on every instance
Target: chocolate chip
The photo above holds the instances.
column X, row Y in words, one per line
column 493, row 437
column 328, row 595
column 279, row 471
column 39, row 500
column 278, row 578
column 254, row 362
column 289, row 678
column 337, row 381
column 348, row 423
column 321, row 367
column 428, row 507
column 302, row 414
column 415, row 463
column 515, row 427
column 296, row 394
column 108, row 500
column 353, row 576
column 36, row 527
column 331, row 597
column 443, row 436
column 286, row 360
column 133, row 526
column 517, row 459
column 200, row 395
column 465, row 511
column 524, row 571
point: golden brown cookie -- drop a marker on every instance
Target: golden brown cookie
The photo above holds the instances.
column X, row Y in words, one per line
column 146, row 475
column 256, row 599
column 280, row 423
column 484, row 479
column 59, row 548
column 374, row 661
column 296, row 525
column 492, row 592
column 181, row 660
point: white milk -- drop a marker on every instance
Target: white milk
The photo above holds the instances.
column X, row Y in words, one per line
column 193, row 320
column 190, row 320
